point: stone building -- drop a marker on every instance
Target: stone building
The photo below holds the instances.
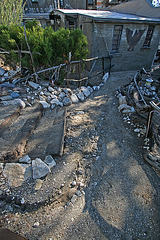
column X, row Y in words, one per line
column 131, row 40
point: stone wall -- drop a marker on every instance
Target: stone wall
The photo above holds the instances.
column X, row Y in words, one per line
column 101, row 45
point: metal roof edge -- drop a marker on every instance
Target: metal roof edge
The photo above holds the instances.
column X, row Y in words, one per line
column 140, row 20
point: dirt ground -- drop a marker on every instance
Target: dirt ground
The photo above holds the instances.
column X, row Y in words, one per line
column 113, row 193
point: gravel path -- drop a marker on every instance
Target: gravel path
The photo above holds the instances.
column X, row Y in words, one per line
column 121, row 193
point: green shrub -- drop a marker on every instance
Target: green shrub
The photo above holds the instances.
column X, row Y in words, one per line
column 48, row 48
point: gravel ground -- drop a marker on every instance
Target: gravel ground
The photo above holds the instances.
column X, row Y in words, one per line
column 114, row 195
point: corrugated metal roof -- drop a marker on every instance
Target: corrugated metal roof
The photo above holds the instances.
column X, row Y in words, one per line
column 138, row 7
column 108, row 15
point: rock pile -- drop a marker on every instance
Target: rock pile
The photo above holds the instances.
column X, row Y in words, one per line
column 18, row 173
column 26, row 94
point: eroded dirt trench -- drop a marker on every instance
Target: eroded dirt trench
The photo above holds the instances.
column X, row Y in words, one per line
column 101, row 187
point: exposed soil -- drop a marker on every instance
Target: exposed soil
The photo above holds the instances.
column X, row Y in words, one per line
column 101, row 187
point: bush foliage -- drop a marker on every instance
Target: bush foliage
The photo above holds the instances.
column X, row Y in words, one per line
column 11, row 12
column 48, row 48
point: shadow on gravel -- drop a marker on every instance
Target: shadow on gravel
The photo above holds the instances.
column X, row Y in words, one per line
column 123, row 191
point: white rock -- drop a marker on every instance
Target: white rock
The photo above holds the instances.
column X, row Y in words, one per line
column 85, row 91
column 17, row 101
column 90, row 89
column 41, row 98
column 56, row 102
column 80, row 95
column 1, row 167
column 123, row 106
column 40, row 169
column 50, row 89
column 41, row 93
column 74, row 198
column 22, row 201
column 17, row 173
column 122, row 100
column 105, row 77
column 33, row 85
column 65, row 90
column 74, row 98
column 73, row 183
column 36, row 224
column 50, row 161
column 25, row 159
column 131, row 110
column 101, row 84
column 44, row 104
column 137, row 130
column 47, row 94
column 53, row 96
column 96, row 88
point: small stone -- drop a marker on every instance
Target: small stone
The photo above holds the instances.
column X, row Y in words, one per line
column 25, row 159
column 53, row 106
column 33, row 85
column 74, row 98
column 85, row 91
column 40, row 169
column 80, row 112
column 62, row 95
column 74, row 198
column 41, row 93
column 36, row 225
column 38, row 184
column 105, row 77
column 22, row 201
column 19, row 102
column 65, row 90
column 11, row 73
column 2, row 71
column 50, row 161
column 6, row 98
column 73, row 183
column 96, row 88
column 53, row 96
column 41, row 98
column 80, row 95
column 123, row 106
column 67, row 101
column 90, row 89
column 56, row 102
column 137, row 130
column 131, row 110
column 15, row 95
column 1, row 167
column 47, row 94
column 50, row 89
column 122, row 100
column 44, row 104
